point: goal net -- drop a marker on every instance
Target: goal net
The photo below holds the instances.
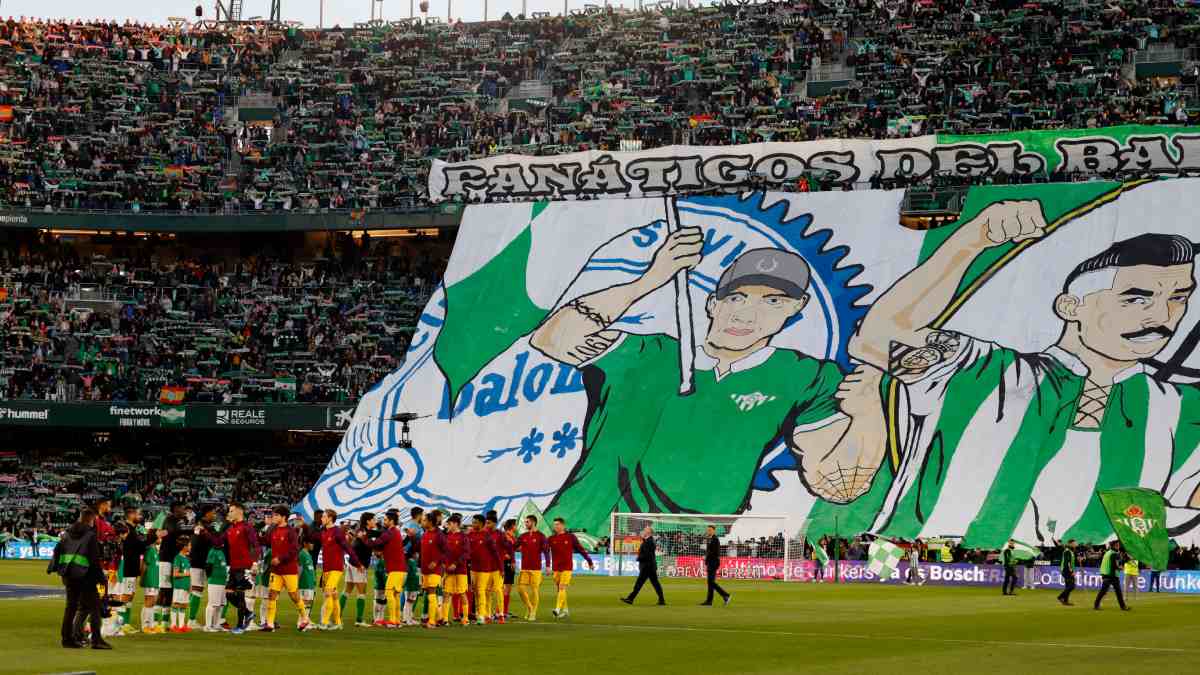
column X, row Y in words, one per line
column 752, row 546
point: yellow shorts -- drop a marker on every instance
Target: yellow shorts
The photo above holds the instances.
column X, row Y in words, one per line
column 497, row 580
column 562, row 578
column 530, row 578
column 281, row 581
column 481, row 581
column 395, row 582
column 456, row 584
column 331, row 580
column 431, row 580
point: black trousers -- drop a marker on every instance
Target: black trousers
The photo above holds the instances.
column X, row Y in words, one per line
column 237, row 595
column 1010, row 580
column 1068, row 586
column 1156, row 581
column 83, row 604
column 713, row 586
column 647, row 573
column 1113, row 582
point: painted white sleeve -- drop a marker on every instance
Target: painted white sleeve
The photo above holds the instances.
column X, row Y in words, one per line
column 927, row 393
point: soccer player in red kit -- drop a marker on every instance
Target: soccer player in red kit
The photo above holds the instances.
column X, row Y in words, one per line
column 241, row 543
column 455, row 585
column 433, row 562
column 334, row 551
column 533, row 547
column 508, row 551
column 495, row 568
column 395, row 562
column 563, row 546
column 285, row 568
column 484, row 561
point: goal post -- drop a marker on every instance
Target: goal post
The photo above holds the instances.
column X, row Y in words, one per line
column 752, row 546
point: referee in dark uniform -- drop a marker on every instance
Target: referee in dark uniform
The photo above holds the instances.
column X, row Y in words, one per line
column 712, row 563
column 647, row 568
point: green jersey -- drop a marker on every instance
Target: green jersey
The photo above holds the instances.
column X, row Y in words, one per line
column 649, row 449
column 264, row 568
column 999, row 443
column 181, row 577
column 150, row 578
column 380, row 568
column 218, row 569
column 308, row 571
column 412, row 580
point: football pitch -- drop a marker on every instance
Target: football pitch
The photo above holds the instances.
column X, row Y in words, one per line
column 770, row 627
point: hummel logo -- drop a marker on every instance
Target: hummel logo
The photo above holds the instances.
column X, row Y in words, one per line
column 750, row 401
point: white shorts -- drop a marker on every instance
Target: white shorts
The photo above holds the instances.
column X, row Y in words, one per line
column 150, row 594
column 164, row 575
column 353, row 576
column 307, row 595
column 199, row 577
column 180, row 596
column 128, row 586
column 216, row 595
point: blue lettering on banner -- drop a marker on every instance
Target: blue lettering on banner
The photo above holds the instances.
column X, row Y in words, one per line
column 499, row 392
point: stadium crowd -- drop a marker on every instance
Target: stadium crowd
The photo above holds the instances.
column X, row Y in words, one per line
column 79, row 326
column 153, row 118
column 41, row 492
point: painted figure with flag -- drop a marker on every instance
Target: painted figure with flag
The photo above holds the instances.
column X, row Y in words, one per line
column 669, row 421
column 999, row 442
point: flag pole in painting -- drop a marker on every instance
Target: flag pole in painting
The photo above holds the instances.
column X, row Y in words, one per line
column 1139, row 518
column 683, row 312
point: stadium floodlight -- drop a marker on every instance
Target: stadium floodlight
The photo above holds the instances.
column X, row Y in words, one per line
column 752, row 546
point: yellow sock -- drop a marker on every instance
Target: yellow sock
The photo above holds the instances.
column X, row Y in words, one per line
column 300, row 607
column 434, row 610
column 481, row 603
column 523, row 591
column 447, row 601
column 393, row 606
column 534, row 592
column 272, row 604
column 560, row 600
column 337, row 609
column 326, row 610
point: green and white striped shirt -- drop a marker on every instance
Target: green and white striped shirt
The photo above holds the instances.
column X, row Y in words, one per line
column 991, row 450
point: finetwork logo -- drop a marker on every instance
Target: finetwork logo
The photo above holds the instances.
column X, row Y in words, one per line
column 17, row 414
column 133, row 417
column 5, row 218
column 241, row 417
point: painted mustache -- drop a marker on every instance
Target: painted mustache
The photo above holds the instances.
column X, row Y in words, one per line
column 1161, row 331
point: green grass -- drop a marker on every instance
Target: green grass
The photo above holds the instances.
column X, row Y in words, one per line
column 769, row 628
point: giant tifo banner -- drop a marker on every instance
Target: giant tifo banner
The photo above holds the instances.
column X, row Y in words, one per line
column 680, row 169
column 803, row 354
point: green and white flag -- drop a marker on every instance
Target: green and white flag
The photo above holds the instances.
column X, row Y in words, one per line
column 1139, row 518
column 883, row 557
column 819, row 553
column 172, row 416
column 1023, row 551
column 287, row 387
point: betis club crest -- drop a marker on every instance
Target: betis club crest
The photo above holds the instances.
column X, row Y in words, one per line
column 1136, row 520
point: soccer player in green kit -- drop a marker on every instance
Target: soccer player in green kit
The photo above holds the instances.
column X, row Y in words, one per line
column 218, row 576
column 649, row 449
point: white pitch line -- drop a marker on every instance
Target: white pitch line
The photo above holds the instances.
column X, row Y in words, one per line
column 846, row 636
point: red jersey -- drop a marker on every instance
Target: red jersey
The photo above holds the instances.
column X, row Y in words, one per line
column 533, row 548
column 391, row 542
column 334, row 550
column 562, row 548
column 457, row 549
column 484, row 556
column 242, row 542
column 285, row 547
column 433, row 552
